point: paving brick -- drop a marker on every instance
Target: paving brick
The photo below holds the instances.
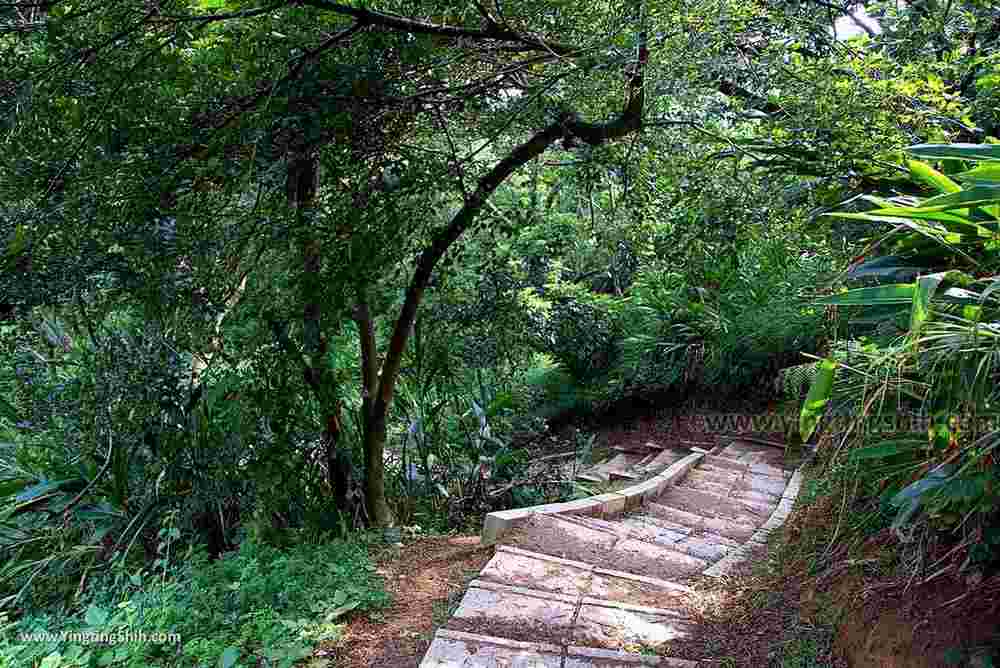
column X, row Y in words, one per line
column 469, row 650
column 538, row 571
column 617, row 627
column 517, row 611
column 614, row 585
column 642, row 558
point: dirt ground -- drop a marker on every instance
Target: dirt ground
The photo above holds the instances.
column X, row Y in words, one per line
column 778, row 612
column 425, row 577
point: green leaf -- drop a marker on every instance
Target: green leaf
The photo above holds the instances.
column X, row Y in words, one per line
column 96, row 616
column 926, row 287
column 16, row 245
column 897, row 293
column 887, row 449
column 42, row 488
column 7, row 410
column 984, row 174
column 933, row 230
column 958, row 150
column 973, row 196
column 53, row 660
column 916, row 490
column 950, row 222
column 12, row 486
column 817, row 398
column 229, row 657
column 340, row 610
column 921, row 171
column 887, row 266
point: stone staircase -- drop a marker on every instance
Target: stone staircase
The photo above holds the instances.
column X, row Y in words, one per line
column 634, row 462
column 603, row 582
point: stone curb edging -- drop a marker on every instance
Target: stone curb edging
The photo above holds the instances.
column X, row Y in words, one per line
column 606, row 505
column 740, row 554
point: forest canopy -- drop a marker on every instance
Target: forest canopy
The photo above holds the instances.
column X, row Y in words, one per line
column 276, row 271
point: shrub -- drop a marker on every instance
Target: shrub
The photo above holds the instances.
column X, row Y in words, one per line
column 253, row 604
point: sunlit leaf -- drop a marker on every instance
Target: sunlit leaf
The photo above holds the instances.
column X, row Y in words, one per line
column 925, row 173
column 817, row 398
column 899, row 293
column 957, row 150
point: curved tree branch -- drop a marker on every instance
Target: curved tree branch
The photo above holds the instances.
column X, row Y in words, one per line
column 568, row 128
column 494, row 31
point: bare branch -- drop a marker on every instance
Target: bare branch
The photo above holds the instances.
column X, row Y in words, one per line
column 845, row 11
column 396, row 22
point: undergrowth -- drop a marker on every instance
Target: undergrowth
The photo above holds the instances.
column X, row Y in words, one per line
column 258, row 606
column 835, row 558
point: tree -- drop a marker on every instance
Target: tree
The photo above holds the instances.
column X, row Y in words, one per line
column 98, row 59
column 319, row 162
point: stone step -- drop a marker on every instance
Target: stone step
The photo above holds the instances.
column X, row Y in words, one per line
column 715, row 476
column 655, row 532
column 614, row 585
column 530, row 615
column 522, row 568
column 620, row 625
column 774, row 470
column 516, row 613
column 584, row 539
column 745, row 451
column 662, row 460
column 703, row 485
column 615, row 474
column 593, row 476
column 593, row 657
column 547, row 598
column 732, row 529
column 758, row 454
column 602, row 472
column 698, row 499
column 667, row 524
column 766, row 485
column 652, row 560
column 725, row 463
column 648, row 459
column 631, row 448
column 713, row 505
column 451, row 649
column 609, row 526
column 533, row 570
column 558, row 537
column 701, row 543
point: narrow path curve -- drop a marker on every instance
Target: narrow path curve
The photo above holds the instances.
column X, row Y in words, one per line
column 606, row 584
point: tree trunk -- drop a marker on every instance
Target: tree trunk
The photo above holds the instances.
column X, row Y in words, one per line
column 379, row 513
column 303, row 174
column 373, row 420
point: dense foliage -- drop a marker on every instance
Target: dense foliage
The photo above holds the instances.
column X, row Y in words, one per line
column 276, row 272
column 919, row 383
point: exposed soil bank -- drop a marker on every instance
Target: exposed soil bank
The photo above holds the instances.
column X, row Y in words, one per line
column 916, row 629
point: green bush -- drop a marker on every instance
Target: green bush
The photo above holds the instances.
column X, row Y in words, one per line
column 933, row 381
column 254, row 604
